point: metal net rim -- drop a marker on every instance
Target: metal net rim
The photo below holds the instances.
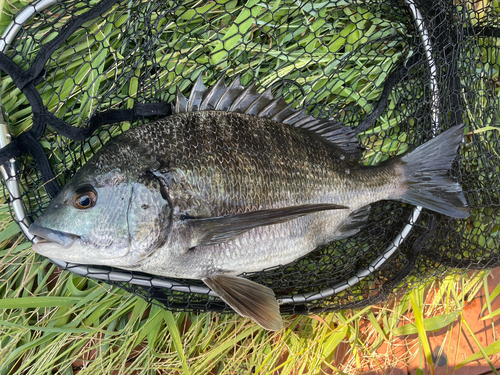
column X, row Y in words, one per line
column 9, row 174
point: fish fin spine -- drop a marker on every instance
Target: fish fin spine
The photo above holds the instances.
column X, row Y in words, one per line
column 247, row 100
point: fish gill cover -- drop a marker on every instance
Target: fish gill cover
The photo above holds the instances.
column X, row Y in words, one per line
column 77, row 73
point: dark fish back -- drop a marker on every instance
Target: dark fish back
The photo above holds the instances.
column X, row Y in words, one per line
column 239, row 162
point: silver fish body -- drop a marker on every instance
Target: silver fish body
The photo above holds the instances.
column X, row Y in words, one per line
column 226, row 167
column 210, row 194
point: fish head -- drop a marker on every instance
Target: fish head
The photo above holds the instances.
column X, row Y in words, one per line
column 113, row 218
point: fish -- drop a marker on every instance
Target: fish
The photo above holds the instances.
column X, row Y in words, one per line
column 234, row 181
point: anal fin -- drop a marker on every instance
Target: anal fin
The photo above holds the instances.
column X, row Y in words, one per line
column 355, row 221
column 248, row 299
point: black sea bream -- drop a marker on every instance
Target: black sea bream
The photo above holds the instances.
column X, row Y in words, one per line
column 233, row 182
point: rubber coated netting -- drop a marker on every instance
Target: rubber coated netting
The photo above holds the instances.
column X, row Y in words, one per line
column 75, row 73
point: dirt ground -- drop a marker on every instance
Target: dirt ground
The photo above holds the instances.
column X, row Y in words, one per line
column 449, row 346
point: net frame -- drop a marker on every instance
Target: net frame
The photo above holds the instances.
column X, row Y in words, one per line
column 97, row 273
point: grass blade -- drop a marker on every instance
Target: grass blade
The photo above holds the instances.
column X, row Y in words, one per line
column 431, row 324
column 176, row 338
column 419, row 323
column 35, row 302
column 334, row 340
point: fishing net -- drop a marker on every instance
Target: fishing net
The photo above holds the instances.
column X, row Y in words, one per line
column 76, row 73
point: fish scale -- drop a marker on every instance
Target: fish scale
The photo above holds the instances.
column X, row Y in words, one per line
column 214, row 194
column 261, row 169
column 319, row 178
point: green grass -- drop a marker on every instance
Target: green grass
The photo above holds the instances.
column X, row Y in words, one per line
column 52, row 321
column 56, row 322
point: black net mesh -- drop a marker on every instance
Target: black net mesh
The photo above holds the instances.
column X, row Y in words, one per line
column 77, row 73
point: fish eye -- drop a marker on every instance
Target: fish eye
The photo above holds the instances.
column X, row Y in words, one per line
column 85, row 197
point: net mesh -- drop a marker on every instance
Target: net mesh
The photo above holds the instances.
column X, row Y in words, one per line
column 80, row 72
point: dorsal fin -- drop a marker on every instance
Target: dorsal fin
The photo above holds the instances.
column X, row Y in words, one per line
column 232, row 92
column 237, row 98
column 212, row 97
column 258, row 104
column 275, row 106
column 196, row 96
column 247, row 96
column 181, row 102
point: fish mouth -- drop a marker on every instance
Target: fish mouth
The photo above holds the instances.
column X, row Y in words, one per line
column 63, row 239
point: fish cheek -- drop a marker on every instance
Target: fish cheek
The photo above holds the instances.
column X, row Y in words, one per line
column 106, row 222
column 149, row 220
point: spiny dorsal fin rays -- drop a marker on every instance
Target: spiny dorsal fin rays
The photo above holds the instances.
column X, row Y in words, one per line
column 315, row 125
column 237, row 98
column 295, row 117
column 212, row 97
column 232, row 92
column 273, row 107
column 181, row 102
column 246, row 97
column 305, row 122
column 196, row 96
column 283, row 113
column 258, row 104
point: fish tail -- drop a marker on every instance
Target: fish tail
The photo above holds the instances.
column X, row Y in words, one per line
column 427, row 182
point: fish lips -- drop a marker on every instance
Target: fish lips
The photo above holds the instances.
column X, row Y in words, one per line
column 69, row 247
column 63, row 239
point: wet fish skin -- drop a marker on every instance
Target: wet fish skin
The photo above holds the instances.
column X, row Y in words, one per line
column 194, row 196
column 206, row 177
column 188, row 154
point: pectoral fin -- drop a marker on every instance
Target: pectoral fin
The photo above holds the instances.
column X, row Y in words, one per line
column 248, row 299
column 224, row 228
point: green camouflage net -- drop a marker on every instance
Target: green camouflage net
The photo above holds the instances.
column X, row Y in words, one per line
column 76, row 73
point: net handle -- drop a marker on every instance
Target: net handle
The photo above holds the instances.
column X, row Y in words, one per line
column 9, row 173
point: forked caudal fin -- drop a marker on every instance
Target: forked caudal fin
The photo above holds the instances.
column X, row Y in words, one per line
column 427, row 180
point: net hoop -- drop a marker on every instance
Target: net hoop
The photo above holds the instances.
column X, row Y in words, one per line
column 9, row 174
